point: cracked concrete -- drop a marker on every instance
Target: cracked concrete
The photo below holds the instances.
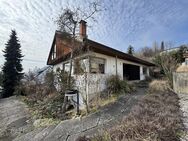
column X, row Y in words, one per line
column 14, row 119
column 69, row 130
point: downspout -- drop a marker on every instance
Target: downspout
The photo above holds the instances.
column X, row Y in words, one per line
column 116, row 66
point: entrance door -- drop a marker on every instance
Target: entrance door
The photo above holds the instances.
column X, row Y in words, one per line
column 131, row 72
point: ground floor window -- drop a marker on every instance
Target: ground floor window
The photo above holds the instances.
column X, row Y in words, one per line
column 97, row 65
column 81, row 66
column 66, row 67
column 88, row 64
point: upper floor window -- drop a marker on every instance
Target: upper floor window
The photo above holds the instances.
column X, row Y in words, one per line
column 54, row 52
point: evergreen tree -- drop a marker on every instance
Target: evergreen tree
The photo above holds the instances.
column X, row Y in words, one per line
column 1, row 78
column 12, row 67
column 162, row 46
column 130, row 50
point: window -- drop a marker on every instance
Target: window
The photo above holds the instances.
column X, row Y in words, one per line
column 54, row 52
column 66, row 67
column 144, row 70
column 97, row 65
column 81, row 66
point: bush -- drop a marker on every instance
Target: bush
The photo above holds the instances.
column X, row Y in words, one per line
column 115, row 85
column 62, row 81
column 148, row 78
column 158, row 86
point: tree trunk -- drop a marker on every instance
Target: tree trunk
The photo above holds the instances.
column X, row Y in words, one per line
column 69, row 75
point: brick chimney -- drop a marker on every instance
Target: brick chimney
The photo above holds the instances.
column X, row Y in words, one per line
column 83, row 29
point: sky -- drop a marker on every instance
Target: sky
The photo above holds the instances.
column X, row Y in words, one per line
column 124, row 22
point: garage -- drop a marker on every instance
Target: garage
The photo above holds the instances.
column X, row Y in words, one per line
column 131, row 72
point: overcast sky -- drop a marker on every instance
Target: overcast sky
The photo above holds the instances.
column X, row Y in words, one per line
column 135, row 22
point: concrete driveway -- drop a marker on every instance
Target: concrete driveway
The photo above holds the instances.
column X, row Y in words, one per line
column 14, row 119
column 14, row 115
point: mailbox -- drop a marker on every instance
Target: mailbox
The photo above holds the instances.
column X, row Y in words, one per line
column 70, row 93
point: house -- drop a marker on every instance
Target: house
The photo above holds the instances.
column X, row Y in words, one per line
column 100, row 61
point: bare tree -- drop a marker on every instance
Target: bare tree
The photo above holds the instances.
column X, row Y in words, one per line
column 168, row 64
column 68, row 22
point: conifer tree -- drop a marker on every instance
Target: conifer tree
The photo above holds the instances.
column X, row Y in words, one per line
column 130, row 50
column 12, row 69
column 162, row 46
column 1, row 78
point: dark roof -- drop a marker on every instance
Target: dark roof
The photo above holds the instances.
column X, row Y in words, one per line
column 100, row 48
column 103, row 49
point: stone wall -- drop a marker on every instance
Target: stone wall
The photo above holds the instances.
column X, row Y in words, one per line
column 180, row 82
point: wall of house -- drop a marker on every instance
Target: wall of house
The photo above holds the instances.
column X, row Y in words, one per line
column 110, row 66
column 62, row 47
column 89, row 85
column 96, row 82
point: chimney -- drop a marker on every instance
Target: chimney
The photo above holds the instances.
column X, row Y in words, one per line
column 83, row 29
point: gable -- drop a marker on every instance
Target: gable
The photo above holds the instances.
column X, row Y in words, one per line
column 59, row 48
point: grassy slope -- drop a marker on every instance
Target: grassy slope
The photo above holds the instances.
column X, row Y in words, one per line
column 156, row 118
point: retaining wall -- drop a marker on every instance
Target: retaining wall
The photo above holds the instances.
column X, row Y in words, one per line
column 180, row 82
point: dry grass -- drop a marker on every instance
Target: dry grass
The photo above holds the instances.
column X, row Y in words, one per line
column 48, row 107
column 182, row 68
column 158, row 86
column 155, row 118
column 102, row 101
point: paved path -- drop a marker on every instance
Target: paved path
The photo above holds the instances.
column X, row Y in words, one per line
column 184, row 107
column 69, row 130
column 14, row 118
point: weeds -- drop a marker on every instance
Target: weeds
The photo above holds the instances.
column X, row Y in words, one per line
column 155, row 118
column 158, row 86
column 115, row 85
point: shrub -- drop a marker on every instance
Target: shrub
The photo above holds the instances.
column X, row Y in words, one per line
column 115, row 85
column 148, row 78
column 62, row 81
column 158, row 86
